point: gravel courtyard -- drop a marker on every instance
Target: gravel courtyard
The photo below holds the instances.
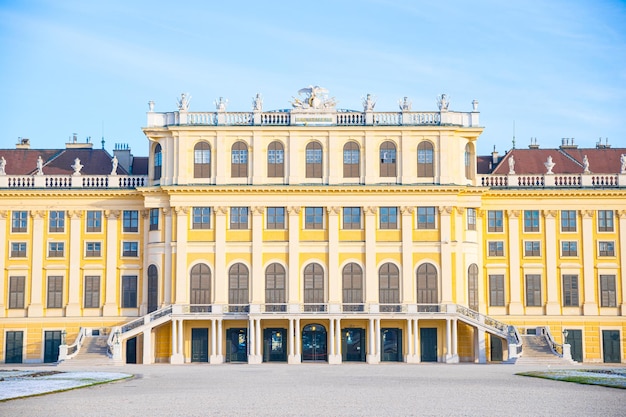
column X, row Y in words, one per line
column 325, row 390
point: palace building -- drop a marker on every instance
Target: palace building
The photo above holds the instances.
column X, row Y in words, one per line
column 312, row 233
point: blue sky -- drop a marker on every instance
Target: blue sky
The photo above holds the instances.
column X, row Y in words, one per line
column 552, row 69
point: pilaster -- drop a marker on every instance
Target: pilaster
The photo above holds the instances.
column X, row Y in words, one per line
column 293, row 286
column 110, row 278
column 75, row 248
column 621, row 216
column 407, row 221
column 257, row 286
column 446, row 255
column 221, row 287
column 3, row 250
column 590, row 303
column 513, row 241
column 334, row 280
column 371, row 274
column 167, row 259
column 182, row 293
column 553, row 307
column 35, row 308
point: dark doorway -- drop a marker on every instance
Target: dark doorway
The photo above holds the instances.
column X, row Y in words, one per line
column 14, row 346
column 575, row 340
column 314, row 343
column 391, row 345
column 131, row 350
column 353, row 345
column 153, row 289
column 428, row 344
column 199, row 345
column 495, row 348
column 52, row 341
column 610, row 346
column 237, row 345
column 274, row 345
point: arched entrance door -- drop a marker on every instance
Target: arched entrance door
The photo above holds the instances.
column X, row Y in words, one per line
column 314, row 343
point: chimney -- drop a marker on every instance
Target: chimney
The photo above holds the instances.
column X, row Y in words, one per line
column 22, row 143
column 533, row 144
column 494, row 156
column 568, row 143
column 124, row 157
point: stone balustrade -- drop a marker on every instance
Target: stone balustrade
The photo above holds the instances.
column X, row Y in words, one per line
column 72, row 181
column 553, row 181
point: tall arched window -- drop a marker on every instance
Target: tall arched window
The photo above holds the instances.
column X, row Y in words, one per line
column 158, row 162
column 238, row 288
column 427, row 284
column 153, row 288
column 314, row 288
column 202, row 160
column 425, row 165
column 389, row 287
column 469, row 162
column 388, row 159
column 352, row 282
column 351, row 160
column 314, row 160
column 472, row 287
column 275, row 286
column 200, row 296
column 239, row 160
column 275, row 160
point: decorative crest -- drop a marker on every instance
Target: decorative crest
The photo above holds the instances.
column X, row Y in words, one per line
column 313, row 97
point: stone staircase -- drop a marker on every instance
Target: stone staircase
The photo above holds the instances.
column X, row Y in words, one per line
column 92, row 353
column 537, row 351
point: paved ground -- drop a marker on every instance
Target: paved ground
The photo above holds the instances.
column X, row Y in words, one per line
column 325, row 390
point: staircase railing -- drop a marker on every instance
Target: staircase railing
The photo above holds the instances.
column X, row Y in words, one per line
column 69, row 351
column 557, row 348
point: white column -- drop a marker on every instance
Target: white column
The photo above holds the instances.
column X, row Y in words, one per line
column 167, row 260
column 147, row 347
column 371, row 339
column 331, row 336
column 294, row 261
column 446, row 255
column 298, row 355
column 221, row 277
column 334, row 275
column 257, row 282
column 455, row 339
column 513, row 242
column 3, row 249
column 213, row 341
column 416, row 341
column 181, row 338
column 377, row 335
column 409, row 341
column 182, row 224
column 35, row 307
column 553, row 306
column 259, row 340
column 75, row 250
column 177, row 342
column 291, row 340
column 448, row 340
column 371, row 273
column 408, row 295
column 338, row 339
column 621, row 215
column 335, row 342
column 590, row 302
column 110, row 277
column 251, row 341
column 220, row 342
column 481, row 349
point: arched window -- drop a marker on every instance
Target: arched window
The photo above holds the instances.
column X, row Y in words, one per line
column 352, row 281
column 314, row 160
column 427, row 284
column 158, row 162
column 239, row 160
column 275, row 160
column 469, row 162
column 389, row 287
column 388, row 159
column 200, row 288
column 202, row 160
column 153, row 288
column 275, row 280
column 351, row 160
column 425, row 165
column 472, row 287
column 238, row 288
column 314, row 288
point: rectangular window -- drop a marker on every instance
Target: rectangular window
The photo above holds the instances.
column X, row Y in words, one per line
column 607, row 291
column 154, row 219
column 55, row 291
column 388, row 217
column 569, row 248
column 496, row 248
column 239, row 217
column 239, row 156
column 131, row 221
column 532, row 248
column 56, row 249
column 314, row 218
column 275, row 156
column 18, row 250
column 129, row 291
column 130, row 249
column 605, row 221
column 568, row 220
column 496, row 290
column 92, row 291
column 351, row 156
column 531, row 221
column 533, row 290
column 471, row 219
column 19, row 221
column 94, row 221
column 16, row 292
column 313, row 156
column 93, row 249
column 570, row 290
column 351, row 217
column 276, row 218
column 201, row 218
column 426, row 217
column 606, row 249
column 494, row 221
column 56, row 222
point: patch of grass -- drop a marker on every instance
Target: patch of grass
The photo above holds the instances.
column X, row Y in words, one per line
column 601, row 377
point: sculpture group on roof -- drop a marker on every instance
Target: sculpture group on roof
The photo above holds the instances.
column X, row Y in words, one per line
column 313, row 97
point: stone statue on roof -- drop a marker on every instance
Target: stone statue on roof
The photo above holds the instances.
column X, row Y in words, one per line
column 405, row 104
column 443, row 102
column 511, row 165
column 257, row 102
column 77, row 166
column 586, row 165
column 114, row 163
column 39, row 166
column 220, row 104
column 549, row 165
column 313, row 97
column 368, row 103
column 3, row 164
column 183, row 102
column 622, row 160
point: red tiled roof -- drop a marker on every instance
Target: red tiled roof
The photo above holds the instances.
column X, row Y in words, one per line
column 58, row 161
